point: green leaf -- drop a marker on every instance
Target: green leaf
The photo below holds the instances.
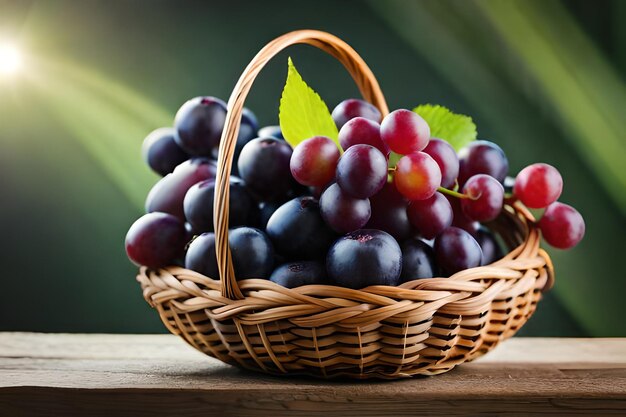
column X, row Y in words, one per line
column 457, row 129
column 303, row 114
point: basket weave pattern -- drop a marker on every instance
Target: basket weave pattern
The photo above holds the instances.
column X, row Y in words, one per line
column 423, row 327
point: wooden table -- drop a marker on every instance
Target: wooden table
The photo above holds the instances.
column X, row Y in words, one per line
column 155, row 375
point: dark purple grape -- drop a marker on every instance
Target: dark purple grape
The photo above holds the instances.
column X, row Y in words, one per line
column 264, row 166
column 252, row 253
column 482, row 157
column 342, row 212
column 486, row 197
column 364, row 257
column 271, row 132
column 168, row 194
column 459, row 218
column 155, row 240
column 418, row 260
column 351, row 108
column 456, row 250
column 201, row 256
column 161, row 152
column 199, row 124
column 265, row 211
column 443, row 153
column 198, row 205
column 431, row 216
column 362, row 171
column 492, row 251
column 248, row 130
column 298, row 231
column 389, row 213
column 297, row 274
column 362, row 131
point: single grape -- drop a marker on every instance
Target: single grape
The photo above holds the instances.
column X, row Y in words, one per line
column 264, row 166
column 199, row 200
column 482, row 157
column 365, row 257
column 199, row 124
column 418, row 260
column 248, row 130
column 351, row 108
column 389, row 213
column 456, row 250
column 271, row 132
column 314, row 161
column 161, row 152
column 298, row 231
column 342, row 212
column 297, row 274
column 489, row 245
column 201, row 257
column 459, row 218
column 562, row 226
column 486, row 197
column 405, row 132
column 265, row 211
column 443, row 153
column 362, row 131
column 362, row 171
column 252, row 253
column 417, row 176
column 431, row 216
column 538, row 185
column 168, row 194
column 156, row 240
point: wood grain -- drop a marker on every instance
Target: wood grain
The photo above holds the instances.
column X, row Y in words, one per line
column 61, row 374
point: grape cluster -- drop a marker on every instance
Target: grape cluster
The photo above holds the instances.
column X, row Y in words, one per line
column 336, row 212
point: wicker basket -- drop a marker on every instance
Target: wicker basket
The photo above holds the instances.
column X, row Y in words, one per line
column 423, row 327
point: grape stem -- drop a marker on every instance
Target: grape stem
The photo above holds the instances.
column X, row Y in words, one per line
column 452, row 193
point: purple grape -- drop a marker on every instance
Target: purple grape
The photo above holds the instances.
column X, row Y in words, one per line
column 201, row 256
column 168, row 194
column 486, row 197
column 431, row 216
column 456, row 250
column 492, row 251
column 351, row 108
column 342, row 212
column 252, row 253
column 264, row 166
column 161, row 152
column 199, row 124
column 389, row 213
column 199, row 200
column 443, row 153
column 362, row 131
column 364, row 257
column 418, row 260
column 362, row 171
column 314, row 161
column 297, row 274
column 271, row 132
column 155, row 240
column 298, row 231
column 482, row 157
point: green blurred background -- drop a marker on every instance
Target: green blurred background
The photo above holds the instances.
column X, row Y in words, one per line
column 543, row 78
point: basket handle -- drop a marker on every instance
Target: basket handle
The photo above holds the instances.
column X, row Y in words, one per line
column 360, row 72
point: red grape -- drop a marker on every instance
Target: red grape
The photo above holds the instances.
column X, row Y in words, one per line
column 389, row 213
column 342, row 212
column 431, row 216
column 314, row 161
column 562, row 226
column 486, row 197
column 443, row 153
column 417, row 176
column 362, row 171
column 538, row 185
column 351, row 108
column 362, row 131
column 482, row 157
column 156, row 240
column 456, row 250
column 405, row 132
